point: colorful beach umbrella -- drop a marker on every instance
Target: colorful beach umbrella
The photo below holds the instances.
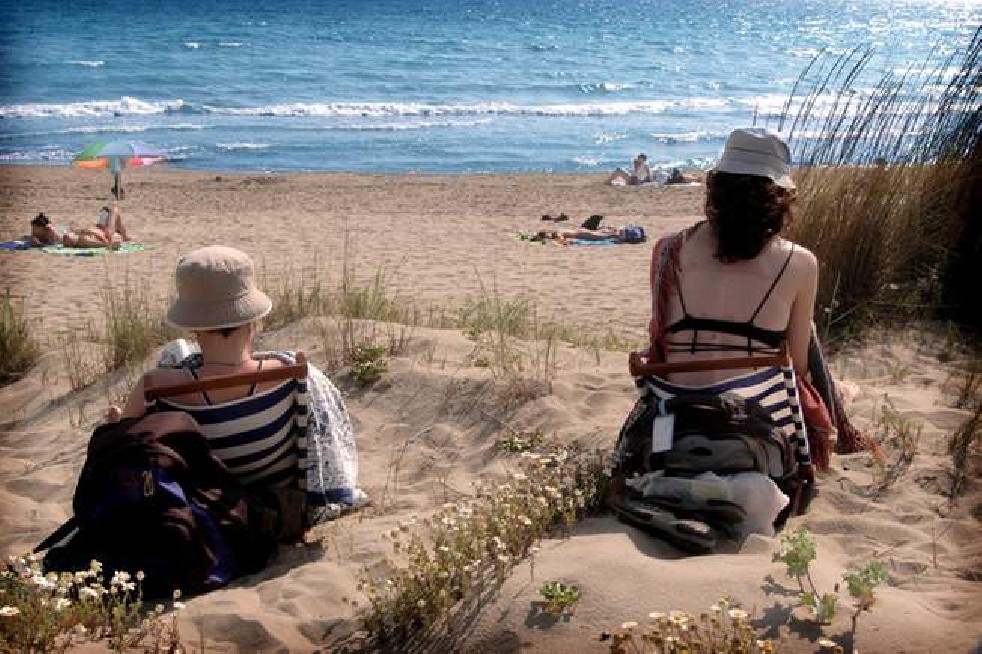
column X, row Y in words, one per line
column 116, row 155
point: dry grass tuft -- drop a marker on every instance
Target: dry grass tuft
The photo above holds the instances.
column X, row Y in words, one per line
column 885, row 183
column 18, row 347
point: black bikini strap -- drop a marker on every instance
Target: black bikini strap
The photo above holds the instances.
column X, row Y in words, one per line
column 767, row 295
column 252, row 390
column 204, row 394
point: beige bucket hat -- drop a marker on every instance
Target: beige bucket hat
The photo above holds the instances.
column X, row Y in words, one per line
column 216, row 289
column 757, row 151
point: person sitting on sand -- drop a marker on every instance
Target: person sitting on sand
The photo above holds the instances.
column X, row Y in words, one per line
column 639, row 174
column 43, row 232
column 678, row 177
column 738, row 287
column 218, row 300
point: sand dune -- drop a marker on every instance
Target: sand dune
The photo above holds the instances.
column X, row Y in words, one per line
column 429, row 428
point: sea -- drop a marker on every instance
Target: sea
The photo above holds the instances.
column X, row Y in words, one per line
column 437, row 86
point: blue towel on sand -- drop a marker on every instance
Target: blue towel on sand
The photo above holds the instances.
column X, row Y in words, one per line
column 607, row 241
column 15, row 245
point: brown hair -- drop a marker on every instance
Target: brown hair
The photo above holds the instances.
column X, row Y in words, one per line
column 745, row 212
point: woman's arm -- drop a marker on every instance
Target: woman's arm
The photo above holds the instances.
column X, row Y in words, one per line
column 135, row 405
column 803, row 309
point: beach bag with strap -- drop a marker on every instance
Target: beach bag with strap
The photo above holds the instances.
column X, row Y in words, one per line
column 724, row 435
column 635, row 234
column 152, row 497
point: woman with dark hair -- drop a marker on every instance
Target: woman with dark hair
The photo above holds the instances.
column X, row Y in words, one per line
column 735, row 287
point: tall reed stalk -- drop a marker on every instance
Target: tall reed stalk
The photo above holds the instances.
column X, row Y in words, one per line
column 888, row 184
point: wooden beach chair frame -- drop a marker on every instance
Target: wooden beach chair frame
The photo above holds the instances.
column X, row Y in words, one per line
column 293, row 523
column 282, row 373
column 641, row 369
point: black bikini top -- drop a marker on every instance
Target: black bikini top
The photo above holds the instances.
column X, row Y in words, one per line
column 771, row 338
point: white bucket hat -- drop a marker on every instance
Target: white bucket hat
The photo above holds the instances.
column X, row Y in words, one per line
column 216, row 289
column 757, row 151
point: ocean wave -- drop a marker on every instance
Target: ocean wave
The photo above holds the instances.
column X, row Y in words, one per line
column 606, row 87
column 230, row 44
column 192, row 45
column 88, row 63
column 229, row 147
column 383, row 109
column 106, row 129
column 590, row 162
column 44, row 155
column 699, row 136
column 125, row 106
column 609, row 137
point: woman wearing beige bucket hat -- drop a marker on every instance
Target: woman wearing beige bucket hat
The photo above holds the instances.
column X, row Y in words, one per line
column 218, row 300
column 736, row 287
column 256, row 430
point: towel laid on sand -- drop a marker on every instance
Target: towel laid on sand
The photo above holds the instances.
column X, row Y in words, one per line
column 15, row 245
column 92, row 252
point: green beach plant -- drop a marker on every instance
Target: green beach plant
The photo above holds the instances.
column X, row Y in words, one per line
column 56, row 612
column 446, row 566
column 560, row 598
column 798, row 551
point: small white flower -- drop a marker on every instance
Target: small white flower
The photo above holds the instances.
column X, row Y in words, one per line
column 421, row 604
column 129, row 585
column 656, row 615
column 80, row 629
column 716, row 608
column 737, row 614
column 826, row 642
column 140, row 576
column 88, row 593
column 9, row 611
column 62, row 603
column 178, row 606
column 177, row 593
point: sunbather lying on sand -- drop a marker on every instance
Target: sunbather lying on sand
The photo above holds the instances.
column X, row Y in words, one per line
column 564, row 236
column 43, row 232
column 108, row 231
column 627, row 234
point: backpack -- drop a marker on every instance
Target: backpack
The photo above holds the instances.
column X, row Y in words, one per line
column 634, row 234
column 723, row 434
column 152, row 497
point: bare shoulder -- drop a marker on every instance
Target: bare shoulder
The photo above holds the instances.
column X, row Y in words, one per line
column 801, row 257
column 164, row 377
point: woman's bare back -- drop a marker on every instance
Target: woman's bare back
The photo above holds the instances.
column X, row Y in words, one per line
column 732, row 292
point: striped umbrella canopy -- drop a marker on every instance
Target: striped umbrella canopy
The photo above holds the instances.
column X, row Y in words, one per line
column 116, row 155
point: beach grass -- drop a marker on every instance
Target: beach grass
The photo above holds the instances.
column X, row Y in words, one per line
column 886, row 188
column 19, row 349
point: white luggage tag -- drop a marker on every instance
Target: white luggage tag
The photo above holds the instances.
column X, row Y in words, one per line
column 662, row 430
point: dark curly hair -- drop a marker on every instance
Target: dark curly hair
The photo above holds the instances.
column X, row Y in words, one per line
column 745, row 212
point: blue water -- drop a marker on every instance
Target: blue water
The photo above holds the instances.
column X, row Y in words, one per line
column 430, row 85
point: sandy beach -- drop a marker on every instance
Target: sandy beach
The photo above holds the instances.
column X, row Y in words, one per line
column 440, row 242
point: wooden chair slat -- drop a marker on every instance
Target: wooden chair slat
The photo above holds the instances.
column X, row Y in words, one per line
column 296, row 371
column 641, row 368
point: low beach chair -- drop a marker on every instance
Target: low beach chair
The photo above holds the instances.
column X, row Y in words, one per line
column 262, row 437
column 771, row 382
